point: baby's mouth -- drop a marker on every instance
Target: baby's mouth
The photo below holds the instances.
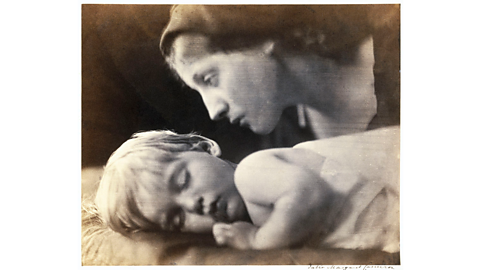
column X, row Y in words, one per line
column 218, row 210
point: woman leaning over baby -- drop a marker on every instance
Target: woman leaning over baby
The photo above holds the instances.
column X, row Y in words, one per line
column 338, row 64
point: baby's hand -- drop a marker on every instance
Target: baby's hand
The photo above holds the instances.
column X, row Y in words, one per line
column 238, row 235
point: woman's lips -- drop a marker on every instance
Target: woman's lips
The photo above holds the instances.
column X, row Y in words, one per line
column 235, row 121
column 239, row 120
column 244, row 123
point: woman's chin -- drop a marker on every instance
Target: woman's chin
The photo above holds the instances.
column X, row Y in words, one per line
column 266, row 123
column 262, row 129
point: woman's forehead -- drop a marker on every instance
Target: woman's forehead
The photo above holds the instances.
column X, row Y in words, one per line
column 188, row 48
column 189, row 52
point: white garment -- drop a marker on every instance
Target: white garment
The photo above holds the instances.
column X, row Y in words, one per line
column 364, row 170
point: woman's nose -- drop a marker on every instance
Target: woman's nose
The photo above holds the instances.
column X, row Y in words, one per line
column 217, row 107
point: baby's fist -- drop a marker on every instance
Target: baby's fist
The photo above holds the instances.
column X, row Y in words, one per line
column 238, row 235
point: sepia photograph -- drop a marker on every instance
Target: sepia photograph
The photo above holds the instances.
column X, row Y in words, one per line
column 240, row 134
column 252, row 134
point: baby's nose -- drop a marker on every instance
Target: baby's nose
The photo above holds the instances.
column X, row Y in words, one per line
column 210, row 208
column 198, row 206
column 192, row 205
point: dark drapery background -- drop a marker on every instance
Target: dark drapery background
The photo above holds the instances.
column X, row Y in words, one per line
column 127, row 87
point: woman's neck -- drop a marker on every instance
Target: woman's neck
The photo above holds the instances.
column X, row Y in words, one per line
column 342, row 93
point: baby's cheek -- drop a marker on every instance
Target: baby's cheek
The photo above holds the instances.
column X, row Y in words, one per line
column 198, row 224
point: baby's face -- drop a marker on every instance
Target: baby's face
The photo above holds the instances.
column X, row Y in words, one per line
column 200, row 192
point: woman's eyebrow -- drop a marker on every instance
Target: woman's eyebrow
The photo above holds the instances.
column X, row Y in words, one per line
column 197, row 78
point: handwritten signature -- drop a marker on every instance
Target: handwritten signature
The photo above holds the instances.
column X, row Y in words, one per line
column 348, row 267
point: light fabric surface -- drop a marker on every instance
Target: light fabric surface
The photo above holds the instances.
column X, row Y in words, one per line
column 364, row 170
column 356, row 236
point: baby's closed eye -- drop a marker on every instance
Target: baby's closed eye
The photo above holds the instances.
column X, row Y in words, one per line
column 182, row 179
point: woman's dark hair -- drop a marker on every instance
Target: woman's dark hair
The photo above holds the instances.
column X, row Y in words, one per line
column 327, row 30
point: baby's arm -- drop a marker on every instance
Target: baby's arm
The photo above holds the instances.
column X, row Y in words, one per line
column 295, row 195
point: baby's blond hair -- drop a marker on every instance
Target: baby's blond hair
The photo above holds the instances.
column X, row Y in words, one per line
column 145, row 152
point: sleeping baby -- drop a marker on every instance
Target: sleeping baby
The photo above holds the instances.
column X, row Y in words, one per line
column 340, row 193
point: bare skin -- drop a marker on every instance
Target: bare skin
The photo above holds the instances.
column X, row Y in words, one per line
column 252, row 87
column 290, row 193
column 282, row 196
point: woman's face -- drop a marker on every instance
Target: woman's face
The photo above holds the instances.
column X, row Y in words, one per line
column 241, row 86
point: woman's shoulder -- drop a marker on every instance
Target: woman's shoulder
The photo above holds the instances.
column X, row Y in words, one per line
column 372, row 140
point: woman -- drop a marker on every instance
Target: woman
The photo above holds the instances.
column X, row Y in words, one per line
column 250, row 63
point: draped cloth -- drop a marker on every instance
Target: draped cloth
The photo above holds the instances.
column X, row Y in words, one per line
column 363, row 169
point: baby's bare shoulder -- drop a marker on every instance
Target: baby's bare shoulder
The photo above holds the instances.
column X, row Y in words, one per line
column 257, row 169
column 280, row 156
column 277, row 171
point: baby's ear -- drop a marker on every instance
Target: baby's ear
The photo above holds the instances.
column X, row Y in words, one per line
column 208, row 146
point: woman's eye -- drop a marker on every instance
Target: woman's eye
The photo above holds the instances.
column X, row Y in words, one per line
column 210, row 79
